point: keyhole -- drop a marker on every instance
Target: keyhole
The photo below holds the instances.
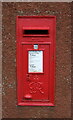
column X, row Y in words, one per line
column 28, row 77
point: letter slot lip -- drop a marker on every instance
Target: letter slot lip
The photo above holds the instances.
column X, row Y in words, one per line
column 35, row 32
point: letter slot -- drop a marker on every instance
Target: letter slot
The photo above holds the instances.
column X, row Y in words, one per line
column 35, row 32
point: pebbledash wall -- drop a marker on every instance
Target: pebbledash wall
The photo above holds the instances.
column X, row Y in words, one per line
column 62, row 11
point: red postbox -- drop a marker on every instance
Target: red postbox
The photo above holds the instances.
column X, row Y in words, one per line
column 36, row 60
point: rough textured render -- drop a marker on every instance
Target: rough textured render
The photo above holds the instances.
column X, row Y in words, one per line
column 62, row 107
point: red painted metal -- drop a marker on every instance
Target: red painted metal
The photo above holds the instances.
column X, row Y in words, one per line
column 36, row 88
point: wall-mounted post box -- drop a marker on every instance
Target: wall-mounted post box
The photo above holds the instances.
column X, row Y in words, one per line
column 36, row 60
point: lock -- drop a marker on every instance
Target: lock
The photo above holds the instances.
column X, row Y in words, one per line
column 28, row 77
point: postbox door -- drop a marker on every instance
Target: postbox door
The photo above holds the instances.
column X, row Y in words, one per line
column 35, row 72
